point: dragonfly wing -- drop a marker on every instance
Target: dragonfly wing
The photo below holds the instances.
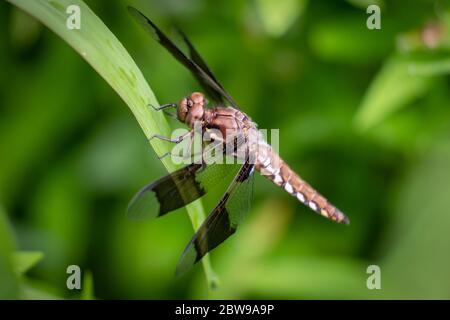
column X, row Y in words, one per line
column 177, row 189
column 197, row 58
column 222, row 221
column 204, row 76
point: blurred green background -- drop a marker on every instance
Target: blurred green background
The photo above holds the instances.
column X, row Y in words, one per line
column 363, row 115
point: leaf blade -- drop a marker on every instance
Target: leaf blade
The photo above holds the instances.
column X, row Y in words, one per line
column 105, row 53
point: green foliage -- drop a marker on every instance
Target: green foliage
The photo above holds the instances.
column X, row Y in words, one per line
column 8, row 280
column 429, row 178
column 363, row 117
column 407, row 76
column 108, row 57
column 431, row 68
column 276, row 18
column 394, row 87
column 88, row 287
column 24, row 261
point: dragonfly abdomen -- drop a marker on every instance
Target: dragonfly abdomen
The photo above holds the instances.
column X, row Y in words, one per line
column 270, row 165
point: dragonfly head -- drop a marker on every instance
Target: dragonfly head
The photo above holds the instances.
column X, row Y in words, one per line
column 191, row 108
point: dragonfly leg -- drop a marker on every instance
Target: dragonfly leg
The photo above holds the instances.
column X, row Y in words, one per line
column 184, row 157
column 164, row 106
column 175, row 140
column 164, row 155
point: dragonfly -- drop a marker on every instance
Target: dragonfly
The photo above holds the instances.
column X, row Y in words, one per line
column 193, row 181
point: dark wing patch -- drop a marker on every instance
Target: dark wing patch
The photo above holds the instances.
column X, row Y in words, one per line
column 222, row 221
column 197, row 58
column 177, row 189
column 203, row 76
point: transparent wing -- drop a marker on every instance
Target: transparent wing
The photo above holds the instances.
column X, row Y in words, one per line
column 197, row 58
column 204, row 76
column 177, row 189
column 222, row 221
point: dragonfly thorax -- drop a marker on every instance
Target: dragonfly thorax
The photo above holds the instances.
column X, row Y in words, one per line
column 191, row 108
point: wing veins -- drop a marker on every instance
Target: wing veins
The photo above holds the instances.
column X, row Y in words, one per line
column 210, row 226
column 196, row 70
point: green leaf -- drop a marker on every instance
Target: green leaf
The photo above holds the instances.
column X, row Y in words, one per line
column 88, row 286
column 345, row 39
column 277, row 17
column 430, row 68
column 363, row 4
column 417, row 262
column 8, row 280
column 25, row 260
column 291, row 277
column 104, row 52
column 31, row 289
column 393, row 88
